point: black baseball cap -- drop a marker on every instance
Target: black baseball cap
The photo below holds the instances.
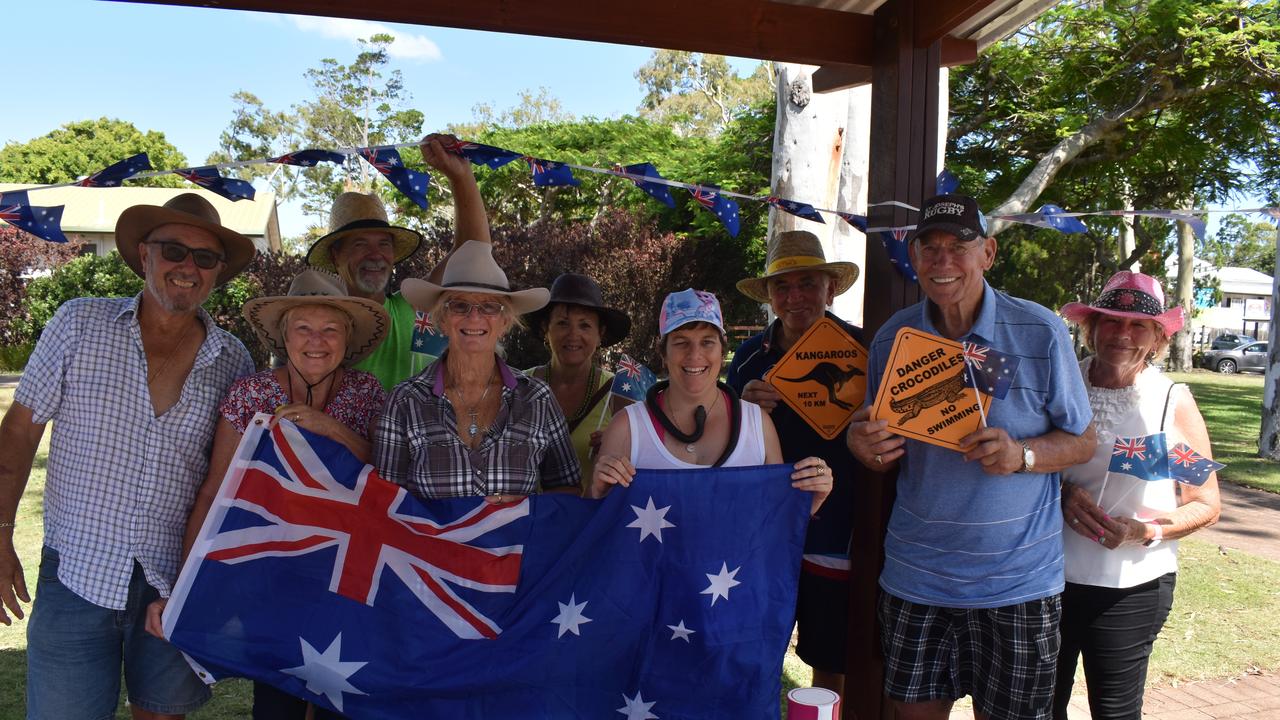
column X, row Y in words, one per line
column 955, row 214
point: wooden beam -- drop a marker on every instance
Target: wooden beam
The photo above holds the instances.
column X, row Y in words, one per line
column 956, row 51
column 942, row 17
column 830, row 78
column 742, row 28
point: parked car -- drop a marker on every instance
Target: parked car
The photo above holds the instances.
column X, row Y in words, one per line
column 1251, row 356
column 1229, row 340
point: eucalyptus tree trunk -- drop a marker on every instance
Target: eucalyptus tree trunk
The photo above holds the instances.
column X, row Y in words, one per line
column 1180, row 348
column 820, row 149
column 1269, row 438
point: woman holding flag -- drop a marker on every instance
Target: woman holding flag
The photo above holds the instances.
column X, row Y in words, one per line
column 1121, row 553
column 574, row 325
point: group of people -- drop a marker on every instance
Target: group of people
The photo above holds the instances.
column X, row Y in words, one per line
column 149, row 398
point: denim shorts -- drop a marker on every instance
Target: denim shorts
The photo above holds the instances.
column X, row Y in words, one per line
column 75, row 650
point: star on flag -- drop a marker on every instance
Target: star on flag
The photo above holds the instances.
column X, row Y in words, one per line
column 651, row 520
column 679, row 631
column 570, row 617
column 721, row 583
column 325, row 673
column 636, row 708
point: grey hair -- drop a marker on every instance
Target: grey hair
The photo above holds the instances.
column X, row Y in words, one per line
column 437, row 312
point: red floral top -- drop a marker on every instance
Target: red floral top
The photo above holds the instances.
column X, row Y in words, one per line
column 357, row 403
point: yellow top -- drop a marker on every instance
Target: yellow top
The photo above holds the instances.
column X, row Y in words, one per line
column 596, row 418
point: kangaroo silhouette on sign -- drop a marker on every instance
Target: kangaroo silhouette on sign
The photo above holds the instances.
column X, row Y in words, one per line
column 830, row 376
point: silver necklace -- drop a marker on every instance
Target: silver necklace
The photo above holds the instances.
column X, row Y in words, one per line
column 474, row 428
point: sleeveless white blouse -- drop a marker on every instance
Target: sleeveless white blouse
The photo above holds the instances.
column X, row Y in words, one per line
column 647, row 450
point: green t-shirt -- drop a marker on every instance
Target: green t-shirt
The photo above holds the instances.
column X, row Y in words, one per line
column 395, row 360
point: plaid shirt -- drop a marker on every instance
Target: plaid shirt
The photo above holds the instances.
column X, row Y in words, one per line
column 416, row 443
column 120, row 481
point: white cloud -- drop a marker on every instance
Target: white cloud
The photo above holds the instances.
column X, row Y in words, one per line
column 405, row 47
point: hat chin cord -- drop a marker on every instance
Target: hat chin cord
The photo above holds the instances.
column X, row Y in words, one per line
column 310, row 385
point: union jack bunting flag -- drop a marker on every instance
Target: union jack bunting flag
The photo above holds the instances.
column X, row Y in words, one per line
column 1145, row 458
column 795, row 207
column 858, row 221
column 426, row 338
column 479, row 154
column 657, row 191
column 989, row 371
column 895, row 244
column 632, row 379
column 412, row 183
column 43, row 222
column 113, row 175
column 550, row 174
column 1188, row 466
column 309, row 158
column 946, row 183
column 210, row 179
column 316, row 576
column 709, row 197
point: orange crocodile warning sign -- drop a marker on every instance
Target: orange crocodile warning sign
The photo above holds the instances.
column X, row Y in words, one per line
column 823, row 378
column 923, row 393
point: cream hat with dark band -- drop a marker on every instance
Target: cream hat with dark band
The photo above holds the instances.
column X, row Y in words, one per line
column 797, row 250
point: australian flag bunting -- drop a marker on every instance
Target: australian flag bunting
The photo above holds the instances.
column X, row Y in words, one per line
column 946, row 183
column 43, row 222
column 858, row 221
column 1146, row 458
column 989, row 371
column 709, row 197
column 412, row 183
column 632, row 380
column 657, row 191
column 309, row 158
column 208, row 178
column 550, row 174
column 426, row 338
column 113, row 175
column 487, row 155
column 895, row 244
column 795, row 207
column 1188, row 466
column 316, row 576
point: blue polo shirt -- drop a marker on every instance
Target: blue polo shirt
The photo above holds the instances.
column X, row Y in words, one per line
column 959, row 537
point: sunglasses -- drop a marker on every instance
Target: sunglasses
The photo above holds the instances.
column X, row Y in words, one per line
column 463, row 309
column 176, row 252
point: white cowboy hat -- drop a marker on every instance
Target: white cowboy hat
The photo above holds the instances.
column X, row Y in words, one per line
column 369, row 321
column 354, row 212
column 472, row 269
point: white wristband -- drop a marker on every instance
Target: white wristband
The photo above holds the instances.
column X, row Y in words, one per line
column 1159, row 535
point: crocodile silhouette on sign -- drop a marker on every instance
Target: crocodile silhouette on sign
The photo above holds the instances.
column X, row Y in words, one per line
column 830, row 376
column 948, row 390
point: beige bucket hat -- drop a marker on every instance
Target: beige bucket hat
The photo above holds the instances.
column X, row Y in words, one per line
column 351, row 213
column 796, row 250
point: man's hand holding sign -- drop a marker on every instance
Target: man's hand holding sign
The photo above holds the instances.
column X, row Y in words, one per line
column 823, row 378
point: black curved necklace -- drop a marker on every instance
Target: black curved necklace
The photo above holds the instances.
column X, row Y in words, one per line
column 699, row 419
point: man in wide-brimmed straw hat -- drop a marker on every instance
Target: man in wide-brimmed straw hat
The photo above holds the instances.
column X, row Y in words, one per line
column 131, row 386
column 363, row 247
column 973, row 556
column 799, row 285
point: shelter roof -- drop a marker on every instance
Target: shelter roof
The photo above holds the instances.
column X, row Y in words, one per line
column 95, row 210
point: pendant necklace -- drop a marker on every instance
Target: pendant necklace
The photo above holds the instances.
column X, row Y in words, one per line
column 474, row 428
column 699, row 426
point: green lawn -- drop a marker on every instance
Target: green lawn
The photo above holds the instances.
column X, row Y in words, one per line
column 1232, row 408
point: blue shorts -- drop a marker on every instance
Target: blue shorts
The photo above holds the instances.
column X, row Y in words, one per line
column 75, row 649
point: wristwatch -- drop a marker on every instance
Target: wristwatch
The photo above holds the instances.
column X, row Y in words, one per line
column 1159, row 535
column 1028, row 458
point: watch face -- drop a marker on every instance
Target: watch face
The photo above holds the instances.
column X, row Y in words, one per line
column 1028, row 457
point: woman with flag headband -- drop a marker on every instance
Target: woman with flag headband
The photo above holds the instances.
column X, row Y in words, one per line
column 575, row 324
column 1120, row 538
column 468, row 424
column 320, row 331
column 692, row 419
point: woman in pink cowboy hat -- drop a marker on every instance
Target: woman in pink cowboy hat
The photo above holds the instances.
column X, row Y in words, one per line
column 1120, row 531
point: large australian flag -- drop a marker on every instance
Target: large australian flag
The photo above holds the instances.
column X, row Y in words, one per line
column 313, row 574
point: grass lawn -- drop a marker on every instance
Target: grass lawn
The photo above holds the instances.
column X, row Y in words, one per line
column 1232, row 408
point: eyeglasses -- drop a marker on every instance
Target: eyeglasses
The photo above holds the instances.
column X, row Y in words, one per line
column 176, row 252
column 462, row 308
column 930, row 252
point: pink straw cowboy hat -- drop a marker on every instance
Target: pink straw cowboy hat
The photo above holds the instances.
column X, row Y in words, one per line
column 1129, row 295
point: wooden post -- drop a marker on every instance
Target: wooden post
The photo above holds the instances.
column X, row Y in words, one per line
column 903, row 167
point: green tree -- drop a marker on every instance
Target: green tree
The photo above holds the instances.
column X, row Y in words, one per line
column 87, row 146
column 1242, row 242
column 697, row 94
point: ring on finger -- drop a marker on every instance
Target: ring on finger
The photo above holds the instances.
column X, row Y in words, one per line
column 879, row 460
column 1075, row 521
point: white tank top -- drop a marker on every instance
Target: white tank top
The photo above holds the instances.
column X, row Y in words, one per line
column 647, row 450
column 1124, row 412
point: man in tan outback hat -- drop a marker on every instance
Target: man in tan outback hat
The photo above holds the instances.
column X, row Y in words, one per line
column 362, row 247
column 799, row 285
column 132, row 386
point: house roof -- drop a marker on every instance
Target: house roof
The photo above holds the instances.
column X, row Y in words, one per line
column 1244, row 281
column 95, row 210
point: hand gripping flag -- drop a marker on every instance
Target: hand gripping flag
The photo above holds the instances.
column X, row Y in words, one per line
column 1188, row 466
column 487, row 155
column 309, row 158
column 709, row 197
column 210, row 179
column 657, row 191
column 43, row 222
column 795, row 207
column 550, row 174
column 113, row 175
column 426, row 338
column 632, row 380
column 1146, row 458
column 313, row 574
column 412, row 183
column 989, row 371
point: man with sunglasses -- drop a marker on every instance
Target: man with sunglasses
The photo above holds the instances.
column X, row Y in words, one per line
column 132, row 387
column 973, row 563
column 363, row 248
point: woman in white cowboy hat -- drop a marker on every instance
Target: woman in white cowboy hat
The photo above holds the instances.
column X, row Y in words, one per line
column 1119, row 542
column 468, row 424
column 692, row 419
column 575, row 324
column 320, row 331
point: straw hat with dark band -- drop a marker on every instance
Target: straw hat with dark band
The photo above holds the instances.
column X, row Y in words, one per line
column 797, row 250
column 138, row 221
column 582, row 291
column 472, row 269
column 369, row 321
column 353, row 212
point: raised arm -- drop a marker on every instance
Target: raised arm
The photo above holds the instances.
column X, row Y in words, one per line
column 470, row 220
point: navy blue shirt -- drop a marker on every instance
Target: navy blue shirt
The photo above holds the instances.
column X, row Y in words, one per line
column 826, row 547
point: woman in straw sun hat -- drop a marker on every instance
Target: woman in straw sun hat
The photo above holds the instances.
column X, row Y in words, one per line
column 320, row 331
column 468, row 424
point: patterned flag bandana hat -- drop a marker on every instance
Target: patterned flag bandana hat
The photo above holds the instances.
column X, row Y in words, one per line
column 1129, row 295
column 689, row 306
